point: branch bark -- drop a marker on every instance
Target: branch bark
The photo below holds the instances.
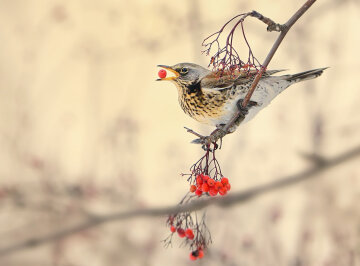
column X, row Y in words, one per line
column 235, row 198
column 284, row 30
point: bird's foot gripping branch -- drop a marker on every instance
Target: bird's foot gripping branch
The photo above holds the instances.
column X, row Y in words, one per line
column 208, row 141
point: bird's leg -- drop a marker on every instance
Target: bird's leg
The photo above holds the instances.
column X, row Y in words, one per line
column 243, row 112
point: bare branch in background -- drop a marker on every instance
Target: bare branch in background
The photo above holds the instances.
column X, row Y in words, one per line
column 236, row 198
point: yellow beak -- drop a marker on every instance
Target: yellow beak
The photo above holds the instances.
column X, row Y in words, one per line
column 171, row 70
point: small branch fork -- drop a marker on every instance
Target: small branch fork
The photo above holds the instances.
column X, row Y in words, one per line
column 272, row 26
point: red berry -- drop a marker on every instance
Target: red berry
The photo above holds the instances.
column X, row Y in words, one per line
column 199, row 180
column 198, row 192
column 162, row 73
column 213, row 192
column 222, row 191
column 211, row 182
column 201, row 254
column 205, row 187
column 228, row 187
column 192, row 257
column 173, row 229
column 192, row 188
column 205, row 178
column 181, row 232
column 224, row 181
column 218, row 185
column 189, row 234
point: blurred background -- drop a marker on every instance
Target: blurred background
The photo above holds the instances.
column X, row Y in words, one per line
column 85, row 130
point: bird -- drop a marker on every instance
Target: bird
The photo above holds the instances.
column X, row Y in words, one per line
column 213, row 99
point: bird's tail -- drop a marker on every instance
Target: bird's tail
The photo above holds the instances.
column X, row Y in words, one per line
column 310, row 74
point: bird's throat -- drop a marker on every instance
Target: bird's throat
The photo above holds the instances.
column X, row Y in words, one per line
column 194, row 88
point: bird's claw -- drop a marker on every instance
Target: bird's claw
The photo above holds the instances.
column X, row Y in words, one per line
column 245, row 110
column 206, row 143
column 198, row 141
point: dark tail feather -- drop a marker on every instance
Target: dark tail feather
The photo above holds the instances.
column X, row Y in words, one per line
column 310, row 74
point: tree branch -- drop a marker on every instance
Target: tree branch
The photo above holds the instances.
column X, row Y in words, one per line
column 235, row 198
column 284, row 30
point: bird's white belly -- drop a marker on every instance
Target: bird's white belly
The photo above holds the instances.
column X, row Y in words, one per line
column 263, row 95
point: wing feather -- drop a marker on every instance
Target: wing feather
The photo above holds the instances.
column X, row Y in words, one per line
column 225, row 80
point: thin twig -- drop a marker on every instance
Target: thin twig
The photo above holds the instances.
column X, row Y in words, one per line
column 234, row 198
column 272, row 26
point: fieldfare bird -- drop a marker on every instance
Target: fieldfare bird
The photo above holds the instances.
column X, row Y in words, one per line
column 212, row 98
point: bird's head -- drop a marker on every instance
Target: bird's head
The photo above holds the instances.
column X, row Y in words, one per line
column 185, row 73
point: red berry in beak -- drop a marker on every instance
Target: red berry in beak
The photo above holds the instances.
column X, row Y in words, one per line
column 162, row 73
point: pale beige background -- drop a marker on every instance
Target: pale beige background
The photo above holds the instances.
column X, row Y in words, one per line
column 85, row 129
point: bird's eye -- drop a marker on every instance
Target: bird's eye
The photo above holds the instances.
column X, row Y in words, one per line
column 184, row 70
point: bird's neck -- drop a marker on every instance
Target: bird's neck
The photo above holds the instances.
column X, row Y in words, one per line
column 193, row 88
column 188, row 89
column 190, row 95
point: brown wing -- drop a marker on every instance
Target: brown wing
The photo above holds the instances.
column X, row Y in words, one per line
column 217, row 80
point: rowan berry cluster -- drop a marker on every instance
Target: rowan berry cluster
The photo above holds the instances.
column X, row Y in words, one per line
column 192, row 230
column 209, row 186
column 205, row 178
column 188, row 233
